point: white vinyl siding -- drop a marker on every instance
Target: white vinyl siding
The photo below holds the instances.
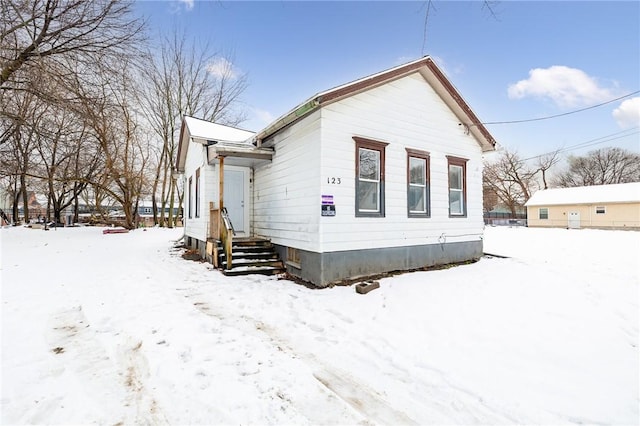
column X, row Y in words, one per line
column 197, row 227
column 406, row 113
column 286, row 196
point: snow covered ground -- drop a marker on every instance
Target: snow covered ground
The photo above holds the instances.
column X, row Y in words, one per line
column 118, row 329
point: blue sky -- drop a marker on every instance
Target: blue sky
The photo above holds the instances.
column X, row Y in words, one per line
column 533, row 59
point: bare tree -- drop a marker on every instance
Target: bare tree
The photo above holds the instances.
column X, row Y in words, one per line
column 109, row 110
column 601, row 167
column 510, row 179
column 546, row 162
column 68, row 160
column 48, row 49
column 32, row 30
column 21, row 114
column 185, row 80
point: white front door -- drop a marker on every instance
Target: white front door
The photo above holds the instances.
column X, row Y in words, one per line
column 574, row 220
column 234, row 198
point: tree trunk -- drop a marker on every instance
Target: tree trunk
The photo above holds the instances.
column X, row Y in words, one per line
column 15, row 199
column 25, row 197
column 171, row 194
column 76, row 209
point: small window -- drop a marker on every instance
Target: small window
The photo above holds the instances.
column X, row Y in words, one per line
column 418, row 204
column 293, row 256
column 198, row 192
column 601, row 210
column 369, row 177
column 543, row 213
column 457, row 186
column 189, row 208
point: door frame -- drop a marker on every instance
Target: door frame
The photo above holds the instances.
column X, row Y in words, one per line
column 573, row 224
column 246, row 172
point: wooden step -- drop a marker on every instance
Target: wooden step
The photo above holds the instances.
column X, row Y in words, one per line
column 251, row 249
column 252, row 243
column 251, row 256
column 254, row 262
column 248, row 270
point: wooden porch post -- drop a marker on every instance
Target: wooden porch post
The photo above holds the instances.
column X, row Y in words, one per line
column 226, row 234
column 221, row 181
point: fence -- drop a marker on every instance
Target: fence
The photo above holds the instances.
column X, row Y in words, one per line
column 505, row 219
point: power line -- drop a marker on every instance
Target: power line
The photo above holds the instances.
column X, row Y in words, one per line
column 591, row 142
column 563, row 114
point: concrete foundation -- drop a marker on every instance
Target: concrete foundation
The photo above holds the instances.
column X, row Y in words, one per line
column 323, row 269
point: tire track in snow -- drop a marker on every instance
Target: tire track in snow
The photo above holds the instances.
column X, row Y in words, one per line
column 340, row 386
column 71, row 337
column 361, row 398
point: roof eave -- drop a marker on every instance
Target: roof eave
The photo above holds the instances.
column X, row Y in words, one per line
column 457, row 104
column 291, row 117
column 429, row 70
column 182, row 158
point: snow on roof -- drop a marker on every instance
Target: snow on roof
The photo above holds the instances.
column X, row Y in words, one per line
column 617, row 193
column 207, row 130
column 42, row 199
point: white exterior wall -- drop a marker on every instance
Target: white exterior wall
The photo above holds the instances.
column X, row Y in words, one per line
column 286, row 195
column 197, row 227
column 406, row 113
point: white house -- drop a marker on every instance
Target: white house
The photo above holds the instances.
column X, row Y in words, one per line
column 377, row 175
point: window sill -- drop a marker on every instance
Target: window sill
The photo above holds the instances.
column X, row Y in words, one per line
column 293, row 264
column 419, row 215
column 360, row 214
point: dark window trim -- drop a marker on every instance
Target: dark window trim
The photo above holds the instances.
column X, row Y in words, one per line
column 462, row 162
column 423, row 155
column 198, row 192
column 373, row 145
column 603, row 208
column 190, row 197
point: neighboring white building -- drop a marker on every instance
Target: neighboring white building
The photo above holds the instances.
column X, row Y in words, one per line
column 599, row 206
column 380, row 174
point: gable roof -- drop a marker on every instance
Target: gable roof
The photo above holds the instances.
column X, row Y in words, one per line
column 206, row 133
column 207, row 130
column 425, row 66
column 616, row 193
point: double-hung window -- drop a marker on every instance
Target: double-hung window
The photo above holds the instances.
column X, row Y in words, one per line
column 418, row 183
column 190, row 197
column 369, row 177
column 198, row 192
column 543, row 213
column 457, row 186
